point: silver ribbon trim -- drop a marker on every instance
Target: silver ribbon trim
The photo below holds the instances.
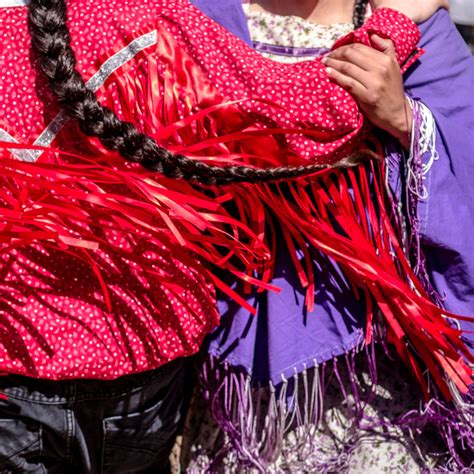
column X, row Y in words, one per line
column 94, row 83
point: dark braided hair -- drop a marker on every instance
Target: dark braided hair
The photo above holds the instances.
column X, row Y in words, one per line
column 51, row 43
column 360, row 9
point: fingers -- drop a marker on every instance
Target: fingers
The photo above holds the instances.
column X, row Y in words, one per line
column 366, row 58
column 385, row 46
column 348, row 69
column 363, row 71
column 351, row 85
column 363, row 56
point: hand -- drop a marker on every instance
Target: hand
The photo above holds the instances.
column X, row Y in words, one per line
column 416, row 10
column 375, row 81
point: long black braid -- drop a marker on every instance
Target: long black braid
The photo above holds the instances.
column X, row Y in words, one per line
column 360, row 9
column 51, row 42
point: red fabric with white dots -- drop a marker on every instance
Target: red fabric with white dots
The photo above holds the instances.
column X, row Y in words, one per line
column 56, row 319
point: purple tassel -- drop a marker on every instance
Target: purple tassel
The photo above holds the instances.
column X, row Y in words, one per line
column 257, row 421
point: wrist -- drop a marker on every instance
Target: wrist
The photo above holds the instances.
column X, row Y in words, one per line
column 401, row 128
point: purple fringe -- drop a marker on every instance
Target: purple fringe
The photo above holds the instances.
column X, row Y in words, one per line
column 256, row 419
column 455, row 426
column 415, row 189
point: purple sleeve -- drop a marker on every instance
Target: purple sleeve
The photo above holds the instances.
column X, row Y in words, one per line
column 443, row 80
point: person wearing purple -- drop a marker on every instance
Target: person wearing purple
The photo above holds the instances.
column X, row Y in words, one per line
column 293, row 391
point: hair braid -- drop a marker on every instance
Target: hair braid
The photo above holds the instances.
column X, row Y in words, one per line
column 360, row 9
column 51, row 42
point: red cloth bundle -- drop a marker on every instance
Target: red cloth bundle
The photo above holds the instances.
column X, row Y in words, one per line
column 98, row 252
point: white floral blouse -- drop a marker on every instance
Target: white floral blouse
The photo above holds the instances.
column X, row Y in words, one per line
column 291, row 38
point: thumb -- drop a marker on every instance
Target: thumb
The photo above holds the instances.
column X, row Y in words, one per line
column 384, row 45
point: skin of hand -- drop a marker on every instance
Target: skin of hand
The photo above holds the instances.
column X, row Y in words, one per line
column 373, row 78
column 416, row 10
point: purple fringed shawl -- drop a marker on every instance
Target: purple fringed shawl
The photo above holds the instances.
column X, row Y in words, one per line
column 283, row 337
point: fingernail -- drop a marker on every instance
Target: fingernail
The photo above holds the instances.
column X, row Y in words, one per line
column 329, row 70
column 324, row 60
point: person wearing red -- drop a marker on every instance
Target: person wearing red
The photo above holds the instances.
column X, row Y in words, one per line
column 121, row 126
